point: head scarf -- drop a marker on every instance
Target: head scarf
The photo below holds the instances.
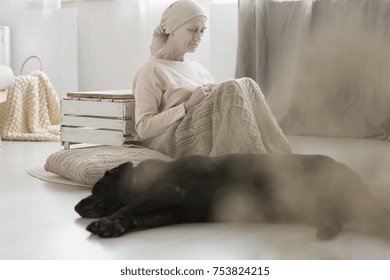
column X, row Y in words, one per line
column 173, row 17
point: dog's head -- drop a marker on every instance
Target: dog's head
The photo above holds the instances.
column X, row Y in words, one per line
column 107, row 193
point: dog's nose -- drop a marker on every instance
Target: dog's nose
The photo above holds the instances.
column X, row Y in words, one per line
column 82, row 207
column 77, row 208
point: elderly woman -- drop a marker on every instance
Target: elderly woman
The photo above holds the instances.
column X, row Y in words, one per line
column 180, row 111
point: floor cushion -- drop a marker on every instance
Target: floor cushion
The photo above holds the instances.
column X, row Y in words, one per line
column 87, row 165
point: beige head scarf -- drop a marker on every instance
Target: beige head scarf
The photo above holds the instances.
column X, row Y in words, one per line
column 173, row 17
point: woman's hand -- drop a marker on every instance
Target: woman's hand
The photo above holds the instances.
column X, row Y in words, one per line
column 197, row 96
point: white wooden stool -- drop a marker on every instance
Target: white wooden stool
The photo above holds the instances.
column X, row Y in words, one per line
column 105, row 118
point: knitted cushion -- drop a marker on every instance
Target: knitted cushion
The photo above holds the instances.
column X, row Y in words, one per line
column 87, row 165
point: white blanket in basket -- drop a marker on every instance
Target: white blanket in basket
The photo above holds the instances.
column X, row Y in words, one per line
column 32, row 110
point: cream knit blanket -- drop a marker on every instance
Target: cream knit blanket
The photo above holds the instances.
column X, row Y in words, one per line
column 32, row 110
column 235, row 118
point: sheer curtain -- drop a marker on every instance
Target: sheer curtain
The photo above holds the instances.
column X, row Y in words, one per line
column 323, row 65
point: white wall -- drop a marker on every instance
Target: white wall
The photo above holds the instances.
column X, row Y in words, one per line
column 51, row 35
column 223, row 40
column 113, row 39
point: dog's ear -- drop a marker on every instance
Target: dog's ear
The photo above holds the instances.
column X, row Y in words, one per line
column 117, row 170
column 128, row 164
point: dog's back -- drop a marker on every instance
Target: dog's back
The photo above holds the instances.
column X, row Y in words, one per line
column 310, row 189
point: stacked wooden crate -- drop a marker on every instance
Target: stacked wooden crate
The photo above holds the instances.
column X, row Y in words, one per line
column 105, row 118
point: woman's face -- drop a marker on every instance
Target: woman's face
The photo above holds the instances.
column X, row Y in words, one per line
column 188, row 36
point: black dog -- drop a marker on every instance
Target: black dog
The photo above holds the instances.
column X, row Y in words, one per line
column 308, row 189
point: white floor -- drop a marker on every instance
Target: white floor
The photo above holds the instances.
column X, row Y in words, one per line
column 37, row 220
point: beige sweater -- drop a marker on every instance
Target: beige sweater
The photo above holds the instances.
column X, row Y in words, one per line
column 161, row 87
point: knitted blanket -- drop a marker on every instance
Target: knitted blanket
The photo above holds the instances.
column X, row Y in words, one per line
column 234, row 118
column 32, row 110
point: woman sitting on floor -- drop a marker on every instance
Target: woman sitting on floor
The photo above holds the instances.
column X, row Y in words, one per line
column 180, row 111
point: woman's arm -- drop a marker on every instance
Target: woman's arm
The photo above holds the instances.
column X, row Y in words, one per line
column 151, row 121
column 164, row 94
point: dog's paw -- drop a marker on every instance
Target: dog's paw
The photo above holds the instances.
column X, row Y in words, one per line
column 107, row 227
